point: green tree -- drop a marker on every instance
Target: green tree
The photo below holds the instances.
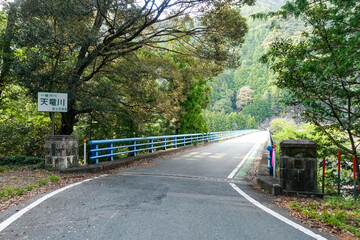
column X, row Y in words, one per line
column 66, row 46
column 220, row 121
column 197, row 99
column 22, row 127
column 321, row 72
column 6, row 38
column 244, row 96
column 160, row 94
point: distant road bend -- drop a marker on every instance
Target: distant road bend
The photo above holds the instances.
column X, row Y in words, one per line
column 197, row 194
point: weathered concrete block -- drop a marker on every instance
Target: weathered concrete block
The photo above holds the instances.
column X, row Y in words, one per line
column 298, row 165
column 298, row 148
column 61, row 151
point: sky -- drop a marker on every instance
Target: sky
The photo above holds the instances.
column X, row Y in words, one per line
column 4, row 1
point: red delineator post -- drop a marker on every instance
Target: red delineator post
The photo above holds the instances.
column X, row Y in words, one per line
column 339, row 159
column 323, row 176
column 354, row 169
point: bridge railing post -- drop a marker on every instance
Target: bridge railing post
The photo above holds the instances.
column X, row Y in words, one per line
column 133, row 148
column 174, row 142
column 110, row 151
column 95, row 154
column 164, row 143
column 151, row 146
column 183, row 141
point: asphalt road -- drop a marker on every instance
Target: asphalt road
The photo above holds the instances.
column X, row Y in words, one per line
column 192, row 195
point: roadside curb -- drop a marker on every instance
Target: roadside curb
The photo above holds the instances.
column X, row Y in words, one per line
column 264, row 180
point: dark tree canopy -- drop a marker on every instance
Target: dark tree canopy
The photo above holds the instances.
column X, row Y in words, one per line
column 71, row 46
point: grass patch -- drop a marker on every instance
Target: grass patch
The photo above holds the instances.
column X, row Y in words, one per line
column 16, row 180
column 42, row 182
column 19, row 191
column 340, row 212
column 54, row 178
column 30, row 187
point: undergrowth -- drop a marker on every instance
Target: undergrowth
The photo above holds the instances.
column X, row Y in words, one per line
column 341, row 212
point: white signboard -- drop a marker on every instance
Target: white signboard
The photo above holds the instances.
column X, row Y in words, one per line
column 52, row 102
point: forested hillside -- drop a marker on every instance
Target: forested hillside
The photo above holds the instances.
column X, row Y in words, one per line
column 129, row 68
column 142, row 71
column 248, row 91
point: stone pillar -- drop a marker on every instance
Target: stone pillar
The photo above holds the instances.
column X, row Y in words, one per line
column 298, row 166
column 61, row 151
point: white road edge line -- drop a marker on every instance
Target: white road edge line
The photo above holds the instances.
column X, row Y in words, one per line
column 232, row 174
column 277, row 215
column 17, row 215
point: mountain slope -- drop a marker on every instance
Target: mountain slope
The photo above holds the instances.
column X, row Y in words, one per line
column 251, row 73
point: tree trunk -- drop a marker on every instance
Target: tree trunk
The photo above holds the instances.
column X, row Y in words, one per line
column 68, row 121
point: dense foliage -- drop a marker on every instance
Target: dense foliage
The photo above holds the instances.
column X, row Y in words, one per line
column 129, row 68
column 321, row 72
column 22, row 128
column 221, row 121
column 283, row 129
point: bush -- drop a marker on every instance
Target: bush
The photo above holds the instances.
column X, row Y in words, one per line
column 23, row 129
column 19, row 160
column 9, row 161
column 28, row 138
column 34, row 160
column 39, row 165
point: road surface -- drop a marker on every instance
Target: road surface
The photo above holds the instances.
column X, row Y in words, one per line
column 197, row 194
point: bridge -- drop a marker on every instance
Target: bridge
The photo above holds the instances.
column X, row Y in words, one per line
column 200, row 192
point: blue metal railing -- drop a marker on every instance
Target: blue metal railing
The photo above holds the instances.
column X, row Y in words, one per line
column 133, row 146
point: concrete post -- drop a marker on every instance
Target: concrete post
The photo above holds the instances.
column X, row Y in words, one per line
column 61, row 151
column 298, row 166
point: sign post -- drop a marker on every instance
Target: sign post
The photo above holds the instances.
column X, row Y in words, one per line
column 52, row 102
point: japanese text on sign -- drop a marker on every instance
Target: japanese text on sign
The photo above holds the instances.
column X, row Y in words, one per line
column 52, row 102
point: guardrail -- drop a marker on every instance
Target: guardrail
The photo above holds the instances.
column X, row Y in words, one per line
column 133, row 146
